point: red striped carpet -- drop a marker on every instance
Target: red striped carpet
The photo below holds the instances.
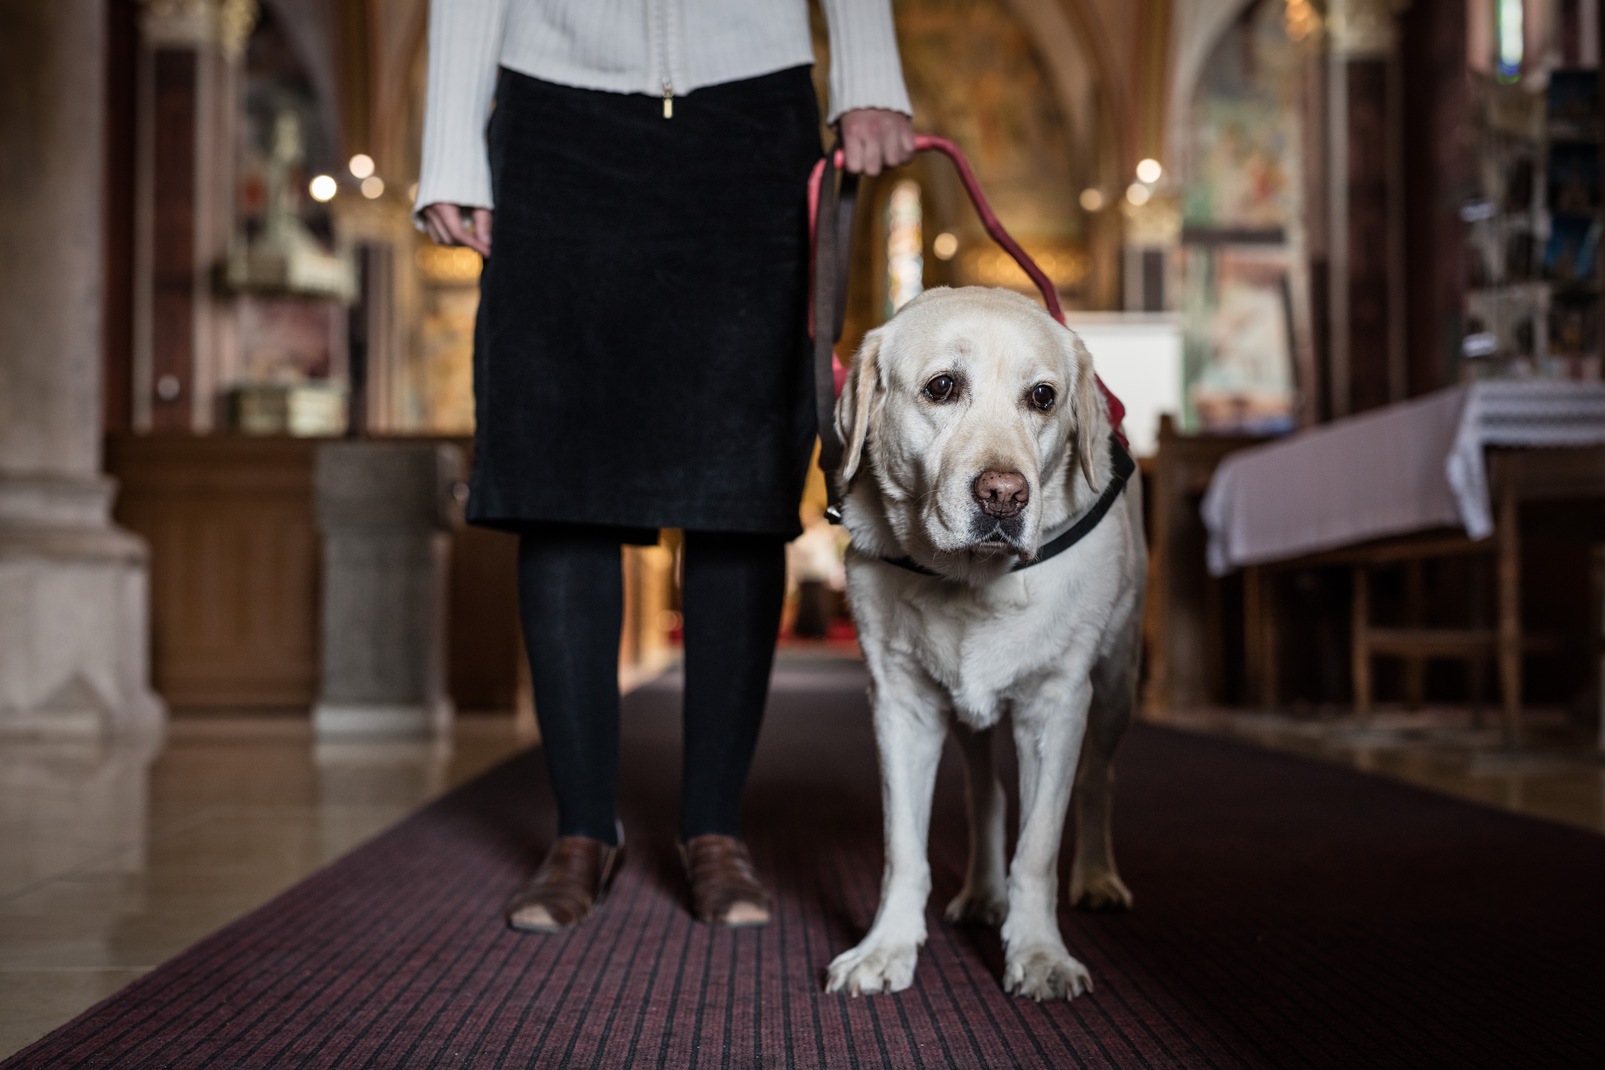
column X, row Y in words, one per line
column 1289, row 914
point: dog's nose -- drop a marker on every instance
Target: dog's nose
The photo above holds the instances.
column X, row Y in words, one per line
column 1001, row 494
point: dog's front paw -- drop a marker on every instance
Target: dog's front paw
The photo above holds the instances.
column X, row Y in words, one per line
column 1045, row 972
column 1103, row 891
column 978, row 907
column 870, row 968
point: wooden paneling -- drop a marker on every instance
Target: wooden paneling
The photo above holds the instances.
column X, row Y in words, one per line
column 234, row 566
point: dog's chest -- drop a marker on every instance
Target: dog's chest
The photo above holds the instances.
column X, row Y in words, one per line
column 979, row 645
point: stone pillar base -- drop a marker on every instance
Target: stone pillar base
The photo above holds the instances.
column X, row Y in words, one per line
column 74, row 613
column 385, row 509
column 330, row 719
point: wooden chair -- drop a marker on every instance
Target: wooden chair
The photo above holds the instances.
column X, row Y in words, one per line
column 1517, row 476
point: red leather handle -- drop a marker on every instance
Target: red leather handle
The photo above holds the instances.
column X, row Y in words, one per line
column 989, row 220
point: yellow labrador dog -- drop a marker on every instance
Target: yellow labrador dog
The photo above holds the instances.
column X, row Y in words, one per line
column 974, row 433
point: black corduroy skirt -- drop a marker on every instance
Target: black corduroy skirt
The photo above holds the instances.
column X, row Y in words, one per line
column 639, row 357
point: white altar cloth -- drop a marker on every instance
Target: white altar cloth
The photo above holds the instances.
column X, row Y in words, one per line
column 1409, row 467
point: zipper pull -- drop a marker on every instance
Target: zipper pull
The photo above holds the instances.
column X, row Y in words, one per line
column 668, row 99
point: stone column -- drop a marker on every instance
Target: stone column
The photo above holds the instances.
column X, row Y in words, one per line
column 386, row 509
column 74, row 628
column 1366, row 281
column 188, row 107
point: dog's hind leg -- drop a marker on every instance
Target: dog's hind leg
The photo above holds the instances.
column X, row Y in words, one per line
column 984, row 899
column 1095, row 884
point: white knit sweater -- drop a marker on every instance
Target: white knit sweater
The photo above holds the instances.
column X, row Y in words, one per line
column 661, row 47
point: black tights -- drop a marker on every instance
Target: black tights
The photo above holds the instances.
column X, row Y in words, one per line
column 571, row 597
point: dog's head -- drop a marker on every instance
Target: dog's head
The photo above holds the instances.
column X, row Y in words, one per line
column 977, row 422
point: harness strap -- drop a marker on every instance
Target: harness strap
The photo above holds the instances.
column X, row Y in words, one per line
column 1124, row 466
column 832, row 249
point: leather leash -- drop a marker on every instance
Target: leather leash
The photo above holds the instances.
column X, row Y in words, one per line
column 832, row 198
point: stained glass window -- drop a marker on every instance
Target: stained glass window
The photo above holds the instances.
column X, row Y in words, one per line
column 1510, row 39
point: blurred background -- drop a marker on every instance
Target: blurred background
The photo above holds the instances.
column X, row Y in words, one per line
column 1263, row 216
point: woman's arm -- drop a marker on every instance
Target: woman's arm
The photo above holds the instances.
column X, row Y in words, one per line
column 454, row 191
column 867, row 95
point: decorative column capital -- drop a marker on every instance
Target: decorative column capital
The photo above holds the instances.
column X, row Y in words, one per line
column 226, row 24
column 1364, row 27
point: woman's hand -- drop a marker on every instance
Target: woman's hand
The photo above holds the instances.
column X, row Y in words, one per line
column 873, row 138
column 447, row 225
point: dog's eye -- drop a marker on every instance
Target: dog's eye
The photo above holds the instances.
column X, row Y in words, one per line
column 1043, row 396
column 942, row 388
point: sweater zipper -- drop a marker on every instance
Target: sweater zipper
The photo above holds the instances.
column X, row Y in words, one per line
column 663, row 58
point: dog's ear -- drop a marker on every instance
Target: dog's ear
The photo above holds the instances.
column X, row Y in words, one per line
column 857, row 404
column 1089, row 409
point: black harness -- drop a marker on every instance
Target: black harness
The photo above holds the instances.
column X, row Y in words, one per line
column 1124, row 466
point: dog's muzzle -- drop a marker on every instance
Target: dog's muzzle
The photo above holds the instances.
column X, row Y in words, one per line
column 1000, row 499
column 1003, row 534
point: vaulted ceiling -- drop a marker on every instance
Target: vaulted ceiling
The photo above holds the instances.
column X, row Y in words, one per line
column 1130, row 58
column 1148, row 53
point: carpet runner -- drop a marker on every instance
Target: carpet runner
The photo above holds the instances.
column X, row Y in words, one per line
column 1289, row 914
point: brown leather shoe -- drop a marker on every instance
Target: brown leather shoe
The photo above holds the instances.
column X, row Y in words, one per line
column 567, row 887
column 724, row 885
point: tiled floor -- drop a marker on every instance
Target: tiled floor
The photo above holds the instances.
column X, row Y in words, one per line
column 1558, row 774
column 115, row 857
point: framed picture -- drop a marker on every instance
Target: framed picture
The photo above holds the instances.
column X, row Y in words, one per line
column 1242, row 340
